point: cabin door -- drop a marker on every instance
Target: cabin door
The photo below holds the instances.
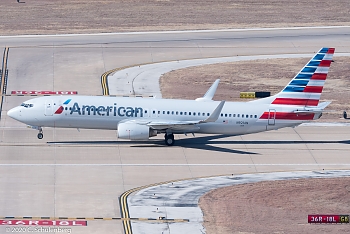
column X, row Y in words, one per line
column 272, row 117
column 48, row 108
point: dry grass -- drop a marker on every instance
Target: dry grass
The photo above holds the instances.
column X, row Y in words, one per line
column 276, row 206
column 258, row 75
column 81, row 16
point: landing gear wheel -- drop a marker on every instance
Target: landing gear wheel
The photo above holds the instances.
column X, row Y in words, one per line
column 40, row 135
column 169, row 139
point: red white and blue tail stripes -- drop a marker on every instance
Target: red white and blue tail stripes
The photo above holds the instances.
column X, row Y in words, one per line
column 306, row 87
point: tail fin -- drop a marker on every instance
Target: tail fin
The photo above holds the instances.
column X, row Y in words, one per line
column 306, row 87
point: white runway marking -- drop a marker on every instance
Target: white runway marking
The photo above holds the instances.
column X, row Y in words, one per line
column 170, row 165
column 181, row 31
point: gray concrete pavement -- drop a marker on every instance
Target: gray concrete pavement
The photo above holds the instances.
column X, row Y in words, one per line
column 72, row 173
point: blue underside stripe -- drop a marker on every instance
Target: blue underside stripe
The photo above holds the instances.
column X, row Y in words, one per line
column 309, row 69
column 299, row 82
column 318, row 57
column 313, row 63
column 303, row 76
column 294, row 89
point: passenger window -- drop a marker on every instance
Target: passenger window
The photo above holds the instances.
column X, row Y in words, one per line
column 189, row 113
column 234, row 115
column 194, row 113
column 168, row 112
column 208, row 114
column 158, row 112
column 247, row 116
column 251, row 116
column 145, row 111
column 172, row 112
column 238, row 115
column 255, row 116
column 180, row 112
column 154, row 112
column 242, row 115
column 225, row 115
column 177, row 112
column 185, row 113
column 222, row 114
column 229, row 115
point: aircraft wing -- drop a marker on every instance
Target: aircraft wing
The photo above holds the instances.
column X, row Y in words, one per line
column 174, row 125
column 182, row 125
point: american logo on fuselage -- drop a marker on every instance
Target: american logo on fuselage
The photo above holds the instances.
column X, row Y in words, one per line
column 114, row 110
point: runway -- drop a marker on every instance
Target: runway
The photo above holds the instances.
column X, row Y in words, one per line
column 82, row 174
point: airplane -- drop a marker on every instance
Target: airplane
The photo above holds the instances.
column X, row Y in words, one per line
column 138, row 118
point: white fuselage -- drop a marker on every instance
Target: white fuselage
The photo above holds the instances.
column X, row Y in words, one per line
column 102, row 112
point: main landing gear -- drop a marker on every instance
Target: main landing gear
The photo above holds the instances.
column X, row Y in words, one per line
column 169, row 139
column 40, row 134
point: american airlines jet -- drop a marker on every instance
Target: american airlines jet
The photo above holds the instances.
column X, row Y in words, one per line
column 142, row 118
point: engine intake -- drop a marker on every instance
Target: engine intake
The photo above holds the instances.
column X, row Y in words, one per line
column 134, row 131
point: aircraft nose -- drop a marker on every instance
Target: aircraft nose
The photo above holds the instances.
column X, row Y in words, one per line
column 14, row 113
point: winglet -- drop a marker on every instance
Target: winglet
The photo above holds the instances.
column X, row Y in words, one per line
column 208, row 96
column 215, row 115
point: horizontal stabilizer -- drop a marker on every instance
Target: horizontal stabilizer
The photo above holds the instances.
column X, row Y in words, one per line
column 308, row 110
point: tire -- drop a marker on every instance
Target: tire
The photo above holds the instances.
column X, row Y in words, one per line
column 40, row 136
column 169, row 139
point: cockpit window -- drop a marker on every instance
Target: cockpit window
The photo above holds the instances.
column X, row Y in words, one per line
column 27, row 105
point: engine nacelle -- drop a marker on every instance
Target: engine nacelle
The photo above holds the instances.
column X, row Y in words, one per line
column 134, row 131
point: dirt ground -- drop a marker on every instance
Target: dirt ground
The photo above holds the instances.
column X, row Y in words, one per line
column 81, row 16
column 276, row 206
column 258, row 75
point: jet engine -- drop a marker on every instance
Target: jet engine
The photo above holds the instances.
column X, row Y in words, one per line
column 134, row 131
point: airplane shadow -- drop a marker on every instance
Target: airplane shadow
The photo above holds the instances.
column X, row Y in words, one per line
column 202, row 143
column 207, row 143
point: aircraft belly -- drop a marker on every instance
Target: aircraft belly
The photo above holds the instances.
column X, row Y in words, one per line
column 73, row 122
column 232, row 128
column 92, row 123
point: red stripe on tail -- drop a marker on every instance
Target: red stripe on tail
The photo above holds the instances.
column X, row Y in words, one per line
column 325, row 63
column 313, row 89
column 331, row 51
column 319, row 76
column 296, row 101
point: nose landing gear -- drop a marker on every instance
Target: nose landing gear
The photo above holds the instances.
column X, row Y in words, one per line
column 40, row 134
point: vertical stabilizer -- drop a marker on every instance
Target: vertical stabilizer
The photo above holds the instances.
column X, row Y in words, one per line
column 306, row 87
